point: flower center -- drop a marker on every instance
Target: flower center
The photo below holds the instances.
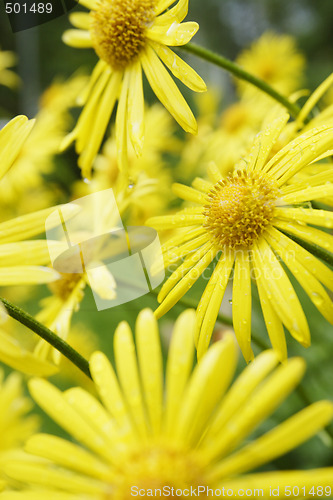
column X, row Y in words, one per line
column 118, row 29
column 154, row 468
column 239, row 209
column 63, row 287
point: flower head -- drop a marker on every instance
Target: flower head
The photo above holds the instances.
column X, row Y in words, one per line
column 276, row 60
column 8, row 77
column 130, row 36
column 21, row 260
column 188, row 431
column 248, row 221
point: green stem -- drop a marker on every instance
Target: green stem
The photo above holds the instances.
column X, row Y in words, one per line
column 319, row 252
column 239, row 72
column 42, row 331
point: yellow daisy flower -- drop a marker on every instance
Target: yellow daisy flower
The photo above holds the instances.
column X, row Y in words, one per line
column 15, row 423
column 7, row 76
column 16, row 350
column 21, row 261
column 276, row 60
column 68, row 290
column 241, row 220
column 146, row 189
column 130, row 36
column 187, row 433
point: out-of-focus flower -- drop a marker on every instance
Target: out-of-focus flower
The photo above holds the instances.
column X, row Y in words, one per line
column 276, row 60
column 244, row 220
column 16, row 425
column 24, row 185
column 8, row 77
column 21, row 261
column 146, row 189
column 130, row 36
column 186, row 433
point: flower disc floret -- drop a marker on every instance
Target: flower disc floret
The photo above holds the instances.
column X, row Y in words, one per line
column 240, row 208
column 118, row 30
column 156, row 466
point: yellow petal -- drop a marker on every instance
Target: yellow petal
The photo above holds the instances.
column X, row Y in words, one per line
column 280, row 440
column 151, row 365
column 122, row 124
column 12, row 137
column 314, row 98
column 102, row 282
column 15, row 356
column 42, row 475
column 175, row 35
column 176, row 13
column 208, row 383
column 41, row 494
column 162, row 5
column 306, row 233
column 101, row 119
column 264, row 142
column 189, row 194
column 309, row 261
column 167, row 91
column 210, row 302
column 25, row 226
column 241, row 303
column 322, row 218
column 273, row 323
column 128, row 375
column 262, row 404
column 240, row 392
column 54, row 403
column 67, row 454
column 282, row 483
column 175, row 220
column 26, row 275
column 179, row 68
column 80, row 20
column 281, row 293
column 109, row 391
column 185, row 283
column 136, row 108
column 308, row 194
column 194, row 252
column 27, row 252
column 80, row 39
column 307, row 280
column 179, row 367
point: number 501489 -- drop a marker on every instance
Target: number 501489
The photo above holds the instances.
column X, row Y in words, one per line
column 23, row 8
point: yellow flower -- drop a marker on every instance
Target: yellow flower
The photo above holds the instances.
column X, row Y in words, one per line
column 130, row 36
column 21, row 261
column 245, row 221
column 145, row 191
column 16, row 425
column 24, row 185
column 68, row 290
column 188, row 432
column 276, row 60
column 7, row 76
column 16, row 351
